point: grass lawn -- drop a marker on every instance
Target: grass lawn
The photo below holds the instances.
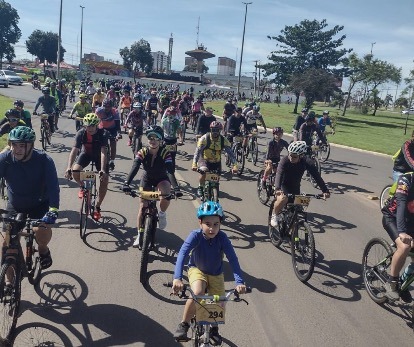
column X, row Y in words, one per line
column 5, row 104
column 382, row 133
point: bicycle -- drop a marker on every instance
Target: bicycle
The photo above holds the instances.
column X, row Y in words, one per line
column 385, row 194
column 124, row 114
column 320, row 149
column 237, row 148
column 149, row 221
column 265, row 192
column 194, row 120
column 88, row 179
column 152, row 117
column 45, row 131
column 211, row 185
column 3, row 188
column 136, row 143
column 252, row 147
column 293, row 227
column 15, row 266
column 308, row 177
column 184, row 125
column 210, row 312
column 376, row 261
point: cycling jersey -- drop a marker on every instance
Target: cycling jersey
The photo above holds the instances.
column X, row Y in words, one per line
column 108, row 120
column 289, row 175
column 203, row 124
column 152, row 103
column 323, row 122
column 210, row 149
column 404, row 161
column 48, row 103
column 135, row 119
column 81, row 109
column 57, row 95
column 197, row 106
column 274, row 148
column 126, row 102
column 252, row 117
column 91, row 144
column 32, row 182
column 98, row 99
column 234, row 123
column 299, row 121
column 207, row 255
column 170, row 125
column 306, row 131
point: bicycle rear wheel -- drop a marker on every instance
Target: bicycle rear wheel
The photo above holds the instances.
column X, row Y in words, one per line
column 303, row 251
column 143, row 276
column 385, row 195
column 84, row 213
column 275, row 234
column 215, row 193
column 375, row 263
column 43, row 137
column 324, row 151
column 36, row 271
column 238, row 152
column 262, row 191
column 318, row 167
column 254, row 151
column 10, row 292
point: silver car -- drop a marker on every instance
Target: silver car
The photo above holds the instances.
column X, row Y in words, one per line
column 4, row 81
column 12, row 77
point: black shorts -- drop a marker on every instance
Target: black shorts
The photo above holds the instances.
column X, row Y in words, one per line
column 85, row 159
column 214, row 167
column 390, row 225
column 112, row 133
column 36, row 212
column 147, row 183
column 249, row 127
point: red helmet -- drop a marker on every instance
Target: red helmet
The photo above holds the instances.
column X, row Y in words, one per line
column 216, row 126
column 277, row 130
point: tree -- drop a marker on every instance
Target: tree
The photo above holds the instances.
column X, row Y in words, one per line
column 409, row 89
column 9, row 31
column 193, row 68
column 306, row 45
column 138, row 57
column 44, row 45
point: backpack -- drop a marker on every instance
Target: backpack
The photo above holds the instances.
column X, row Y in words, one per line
column 209, row 141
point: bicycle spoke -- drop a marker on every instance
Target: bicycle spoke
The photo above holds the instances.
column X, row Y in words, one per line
column 303, row 251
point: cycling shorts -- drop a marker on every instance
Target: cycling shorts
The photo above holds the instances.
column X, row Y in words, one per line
column 250, row 127
column 37, row 212
column 147, row 183
column 390, row 225
column 112, row 133
column 85, row 159
column 210, row 166
column 215, row 284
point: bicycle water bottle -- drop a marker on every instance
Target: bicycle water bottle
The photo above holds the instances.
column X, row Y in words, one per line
column 409, row 270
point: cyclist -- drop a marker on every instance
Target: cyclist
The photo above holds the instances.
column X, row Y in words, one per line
column 152, row 104
column 234, row 123
column 90, row 90
column 126, row 101
column 197, row 108
column 49, row 106
column 171, row 126
column 98, row 98
column 111, row 95
column 32, row 186
column 25, row 115
column 205, row 248
column 91, row 145
column 274, row 148
column 228, row 110
column 64, row 91
column 55, row 93
column 109, row 120
column 10, row 121
column 156, row 161
column 252, row 117
column 135, row 122
column 82, row 108
column 289, row 174
column 300, row 119
column 398, row 221
column 208, row 154
column 404, row 159
column 324, row 121
column 204, row 122
column 307, row 129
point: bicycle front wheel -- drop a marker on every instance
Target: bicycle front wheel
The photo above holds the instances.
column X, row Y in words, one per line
column 318, row 167
column 239, row 159
column 262, row 190
column 274, row 232
column 43, row 134
column 10, row 292
column 376, row 261
column 385, row 195
column 254, row 152
column 324, row 151
column 84, row 213
column 143, row 277
column 303, row 251
column 35, row 272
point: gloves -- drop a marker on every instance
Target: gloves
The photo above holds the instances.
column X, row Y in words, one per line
column 50, row 216
column 126, row 188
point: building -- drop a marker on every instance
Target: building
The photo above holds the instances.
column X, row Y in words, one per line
column 160, row 62
column 93, row 57
column 226, row 66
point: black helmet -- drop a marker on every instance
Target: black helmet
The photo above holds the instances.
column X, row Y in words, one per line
column 18, row 103
column 106, row 103
column 155, row 130
column 12, row 113
column 277, row 130
column 310, row 116
column 46, row 90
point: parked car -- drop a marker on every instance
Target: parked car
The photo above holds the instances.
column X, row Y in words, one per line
column 12, row 77
column 408, row 111
column 4, row 81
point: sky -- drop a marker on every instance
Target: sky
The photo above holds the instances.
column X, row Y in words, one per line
column 384, row 26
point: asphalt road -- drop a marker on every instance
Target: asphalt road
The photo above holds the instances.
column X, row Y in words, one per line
column 92, row 295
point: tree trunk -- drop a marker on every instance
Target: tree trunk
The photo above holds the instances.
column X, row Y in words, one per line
column 351, row 86
column 296, row 102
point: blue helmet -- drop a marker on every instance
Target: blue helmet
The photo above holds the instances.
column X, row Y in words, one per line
column 210, row 208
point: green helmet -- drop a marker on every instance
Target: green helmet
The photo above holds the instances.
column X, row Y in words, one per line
column 22, row 134
column 90, row 119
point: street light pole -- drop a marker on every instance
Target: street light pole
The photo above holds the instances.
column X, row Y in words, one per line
column 59, row 41
column 80, row 59
column 372, row 45
column 241, row 53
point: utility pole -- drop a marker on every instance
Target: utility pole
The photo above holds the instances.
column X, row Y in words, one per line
column 372, row 45
column 59, row 41
column 255, row 75
column 258, row 87
column 241, row 54
column 80, row 58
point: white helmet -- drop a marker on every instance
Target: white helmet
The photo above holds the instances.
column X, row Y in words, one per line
column 298, row 147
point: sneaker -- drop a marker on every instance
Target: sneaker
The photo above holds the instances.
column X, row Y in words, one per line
column 81, row 193
column 274, row 221
column 215, row 337
column 162, row 220
column 138, row 241
column 406, row 296
column 181, row 332
column 391, row 290
column 97, row 214
column 111, row 165
column 200, row 191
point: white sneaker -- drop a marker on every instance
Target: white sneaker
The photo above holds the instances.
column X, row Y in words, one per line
column 162, row 220
column 273, row 220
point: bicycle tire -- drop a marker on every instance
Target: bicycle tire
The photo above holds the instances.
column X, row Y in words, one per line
column 49, row 135
column 324, row 151
column 376, row 260
column 3, row 188
column 207, row 192
column 274, row 233
column 255, row 152
column 143, row 275
column 36, row 271
column 239, row 159
column 43, row 135
column 215, row 193
column 184, row 130
column 303, row 251
column 262, row 193
column 9, row 302
column 385, row 193
column 84, row 213
column 318, row 167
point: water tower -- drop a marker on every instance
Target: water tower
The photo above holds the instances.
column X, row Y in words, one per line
column 199, row 54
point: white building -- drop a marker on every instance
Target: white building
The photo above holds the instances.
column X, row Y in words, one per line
column 226, row 66
column 160, row 62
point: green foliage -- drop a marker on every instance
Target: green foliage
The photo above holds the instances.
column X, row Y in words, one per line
column 9, row 31
column 138, row 57
column 193, row 68
column 69, row 75
column 44, row 45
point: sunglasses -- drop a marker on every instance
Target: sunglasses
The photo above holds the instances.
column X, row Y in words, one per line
column 153, row 138
column 294, row 156
column 13, row 119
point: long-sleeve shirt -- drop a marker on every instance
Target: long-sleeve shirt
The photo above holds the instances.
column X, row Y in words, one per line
column 48, row 103
column 306, row 131
column 404, row 162
column 30, row 182
column 207, row 255
column 274, row 148
column 203, row 124
column 211, row 149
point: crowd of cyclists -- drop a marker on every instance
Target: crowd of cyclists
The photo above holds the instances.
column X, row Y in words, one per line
column 107, row 109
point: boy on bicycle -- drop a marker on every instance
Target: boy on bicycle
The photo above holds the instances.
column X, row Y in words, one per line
column 205, row 246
